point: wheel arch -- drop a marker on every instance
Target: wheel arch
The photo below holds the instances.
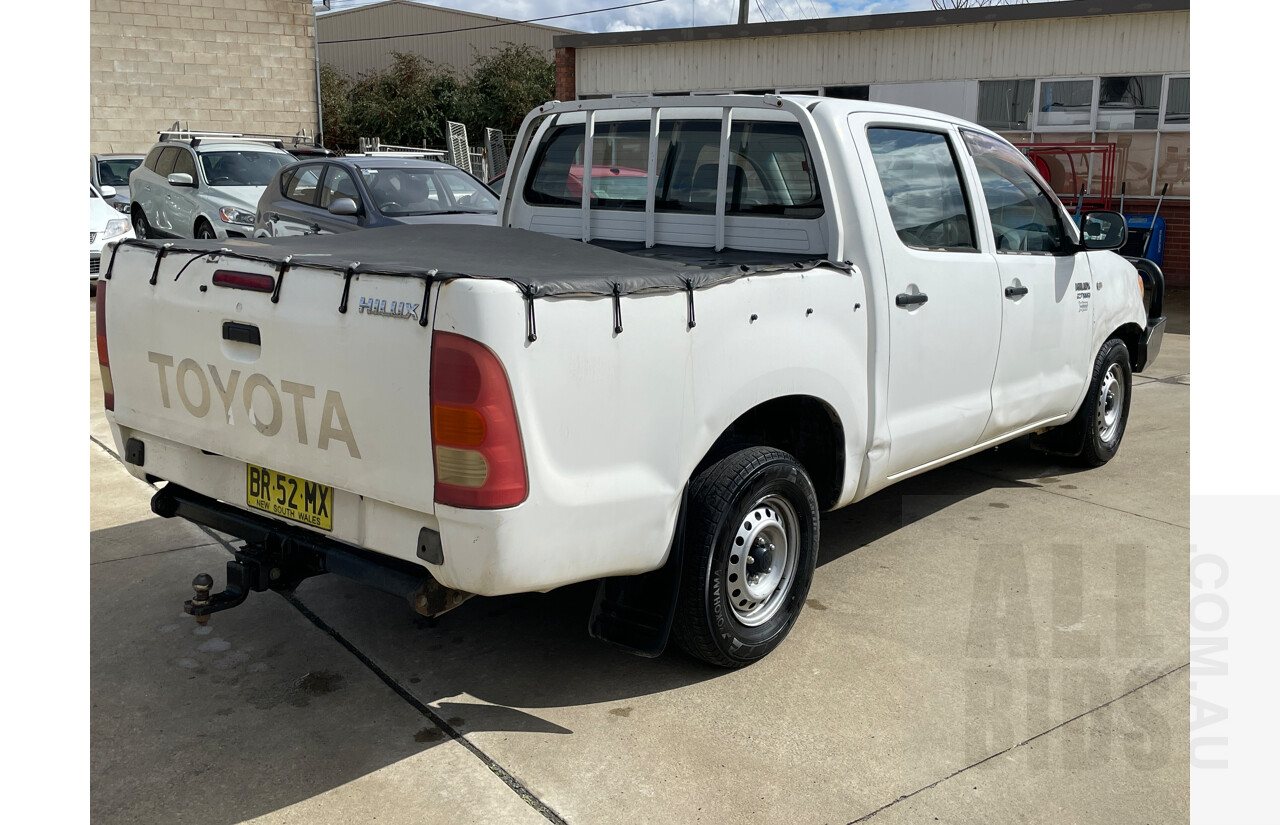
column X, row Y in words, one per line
column 202, row 218
column 803, row 425
column 1130, row 333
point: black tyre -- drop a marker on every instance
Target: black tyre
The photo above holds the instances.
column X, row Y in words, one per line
column 1092, row 438
column 750, row 547
column 1105, row 411
column 205, row 232
column 140, row 226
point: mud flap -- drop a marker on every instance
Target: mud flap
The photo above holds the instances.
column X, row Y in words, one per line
column 635, row 613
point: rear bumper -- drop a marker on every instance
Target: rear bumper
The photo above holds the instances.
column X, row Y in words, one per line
column 486, row 552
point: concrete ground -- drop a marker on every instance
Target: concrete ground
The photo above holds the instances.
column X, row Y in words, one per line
column 1002, row 640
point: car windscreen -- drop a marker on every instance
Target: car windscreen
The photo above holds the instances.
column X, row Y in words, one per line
column 403, row 192
column 242, row 168
column 115, row 171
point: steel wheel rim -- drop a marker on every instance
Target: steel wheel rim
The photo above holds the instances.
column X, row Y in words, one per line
column 1110, row 403
column 761, row 563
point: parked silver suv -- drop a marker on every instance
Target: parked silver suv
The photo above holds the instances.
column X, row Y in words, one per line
column 194, row 187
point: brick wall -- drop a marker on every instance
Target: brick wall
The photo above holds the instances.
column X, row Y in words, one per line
column 223, row 65
column 1177, row 241
column 566, row 74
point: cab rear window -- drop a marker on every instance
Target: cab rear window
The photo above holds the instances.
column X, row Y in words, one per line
column 770, row 171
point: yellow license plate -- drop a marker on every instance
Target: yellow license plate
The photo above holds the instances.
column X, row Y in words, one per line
column 293, row 498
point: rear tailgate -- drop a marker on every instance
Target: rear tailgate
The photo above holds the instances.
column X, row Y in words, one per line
column 336, row 398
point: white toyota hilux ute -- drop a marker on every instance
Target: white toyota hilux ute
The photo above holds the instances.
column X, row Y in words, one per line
column 701, row 323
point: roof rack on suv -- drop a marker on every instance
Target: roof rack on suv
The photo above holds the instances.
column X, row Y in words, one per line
column 299, row 141
column 371, row 147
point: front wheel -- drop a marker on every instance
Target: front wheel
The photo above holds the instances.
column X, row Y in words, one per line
column 204, row 232
column 141, row 228
column 1106, row 409
column 1093, row 437
column 751, row 544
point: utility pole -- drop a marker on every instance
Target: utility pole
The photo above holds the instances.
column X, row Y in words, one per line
column 742, row 12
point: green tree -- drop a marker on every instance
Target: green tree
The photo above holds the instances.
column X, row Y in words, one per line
column 335, row 106
column 410, row 101
column 504, row 86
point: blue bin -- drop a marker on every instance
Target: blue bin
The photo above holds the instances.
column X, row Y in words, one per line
column 1140, row 226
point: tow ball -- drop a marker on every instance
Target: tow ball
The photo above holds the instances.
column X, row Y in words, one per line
column 249, row 571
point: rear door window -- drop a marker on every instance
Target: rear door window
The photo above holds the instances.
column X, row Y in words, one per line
column 303, row 186
column 923, row 187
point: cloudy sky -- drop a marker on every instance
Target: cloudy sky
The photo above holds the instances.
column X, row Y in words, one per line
column 664, row 14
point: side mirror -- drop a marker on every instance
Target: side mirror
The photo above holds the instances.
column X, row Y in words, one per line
column 180, row 179
column 107, row 192
column 344, row 206
column 1103, row 230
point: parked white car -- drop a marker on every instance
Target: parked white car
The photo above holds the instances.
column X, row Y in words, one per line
column 113, row 170
column 105, row 224
column 202, row 187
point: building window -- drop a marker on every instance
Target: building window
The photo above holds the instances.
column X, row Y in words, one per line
column 1005, row 105
column 1177, row 106
column 1064, row 103
column 1129, row 102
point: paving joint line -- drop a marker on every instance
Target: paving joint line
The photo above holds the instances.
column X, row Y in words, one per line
column 492, row 764
column 417, row 704
column 904, row 797
column 108, row 450
column 148, row 555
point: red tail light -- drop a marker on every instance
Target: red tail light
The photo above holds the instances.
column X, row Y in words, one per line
column 475, row 437
column 104, row 361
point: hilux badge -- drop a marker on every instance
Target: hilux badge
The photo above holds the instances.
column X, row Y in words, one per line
column 389, row 309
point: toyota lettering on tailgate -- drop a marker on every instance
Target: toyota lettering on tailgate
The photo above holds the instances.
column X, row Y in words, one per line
column 198, row 399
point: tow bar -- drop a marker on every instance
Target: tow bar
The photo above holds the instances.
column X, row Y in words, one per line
column 279, row 557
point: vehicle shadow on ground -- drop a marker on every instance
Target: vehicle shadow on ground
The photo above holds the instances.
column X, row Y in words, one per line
column 282, row 699
column 1012, row 466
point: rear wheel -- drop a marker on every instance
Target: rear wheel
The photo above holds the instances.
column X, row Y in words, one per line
column 751, row 544
column 140, row 226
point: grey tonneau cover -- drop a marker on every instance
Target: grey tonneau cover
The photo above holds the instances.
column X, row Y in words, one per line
column 541, row 265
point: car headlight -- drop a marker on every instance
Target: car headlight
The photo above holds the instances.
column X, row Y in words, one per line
column 115, row 227
column 121, row 207
column 231, row 214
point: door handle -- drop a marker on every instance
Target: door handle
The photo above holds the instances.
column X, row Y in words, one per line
column 905, row 299
column 1014, row 291
column 244, row 333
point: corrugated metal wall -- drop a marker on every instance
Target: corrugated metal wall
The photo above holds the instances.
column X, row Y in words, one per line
column 455, row 50
column 1111, row 44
